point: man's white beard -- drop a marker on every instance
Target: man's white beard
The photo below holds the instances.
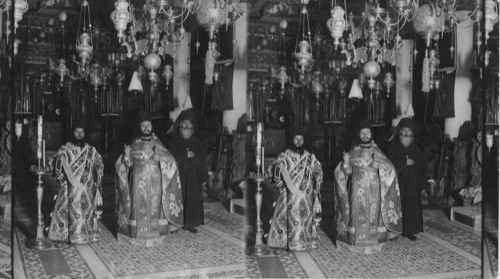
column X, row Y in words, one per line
column 405, row 141
column 186, row 134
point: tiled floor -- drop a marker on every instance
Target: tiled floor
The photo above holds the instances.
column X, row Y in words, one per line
column 5, row 249
column 444, row 250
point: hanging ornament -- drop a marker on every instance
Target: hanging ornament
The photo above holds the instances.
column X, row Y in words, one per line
column 337, row 24
column 167, row 75
column 371, row 70
column 388, row 82
column 425, row 74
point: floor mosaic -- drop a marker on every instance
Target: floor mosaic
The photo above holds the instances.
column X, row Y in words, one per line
column 398, row 258
column 464, row 239
column 217, row 217
column 492, row 256
column 33, row 266
column 5, row 251
column 292, row 267
column 181, row 251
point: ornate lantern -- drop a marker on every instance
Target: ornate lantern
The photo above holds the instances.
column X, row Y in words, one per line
column 282, row 78
column 388, row 82
column 95, row 78
column 212, row 14
column 121, row 17
column 168, row 74
column 371, row 70
column 84, row 47
column 491, row 17
column 337, row 24
column 61, row 69
column 304, row 55
column 152, row 62
column 428, row 22
column 316, row 86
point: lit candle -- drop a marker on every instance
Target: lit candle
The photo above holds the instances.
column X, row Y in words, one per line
column 259, row 146
column 43, row 154
column 40, row 125
column 39, row 138
column 263, row 165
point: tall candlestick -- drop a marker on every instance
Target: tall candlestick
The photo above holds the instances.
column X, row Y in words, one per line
column 259, row 146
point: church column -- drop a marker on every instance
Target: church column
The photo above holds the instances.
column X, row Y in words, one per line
column 404, row 82
column 230, row 117
column 463, row 81
column 182, row 100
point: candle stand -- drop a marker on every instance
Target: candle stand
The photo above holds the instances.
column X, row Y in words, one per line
column 40, row 242
column 260, row 249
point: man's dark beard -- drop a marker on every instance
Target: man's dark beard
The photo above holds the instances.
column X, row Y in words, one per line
column 146, row 135
column 365, row 143
column 297, row 149
column 78, row 142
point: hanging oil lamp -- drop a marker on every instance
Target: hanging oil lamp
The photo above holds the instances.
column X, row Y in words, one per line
column 121, row 17
column 167, row 75
column 388, row 82
column 337, row 24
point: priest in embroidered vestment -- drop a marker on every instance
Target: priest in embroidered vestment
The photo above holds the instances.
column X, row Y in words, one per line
column 367, row 198
column 78, row 168
column 148, row 190
column 299, row 178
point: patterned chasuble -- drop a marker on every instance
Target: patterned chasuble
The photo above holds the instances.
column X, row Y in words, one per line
column 79, row 172
column 368, row 205
column 292, row 225
column 148, row 194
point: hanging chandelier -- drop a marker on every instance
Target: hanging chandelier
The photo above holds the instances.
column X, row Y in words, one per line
column 159, row 28
column 84, row 44
column 337, row 24
column 303, row 48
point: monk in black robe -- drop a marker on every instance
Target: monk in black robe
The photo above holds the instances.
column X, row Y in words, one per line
column 409, row 164
column 190, row 156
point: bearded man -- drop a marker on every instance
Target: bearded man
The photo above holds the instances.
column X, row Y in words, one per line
column 409, row 163
column 148, row 190
column 368, row 210
column 78, row 168
column 299, row 177
column 191, row 158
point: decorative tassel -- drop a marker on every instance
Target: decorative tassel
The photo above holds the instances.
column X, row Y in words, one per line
column 426, row 74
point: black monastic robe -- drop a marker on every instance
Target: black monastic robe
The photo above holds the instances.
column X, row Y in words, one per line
column 411, row 181
column 193, row 173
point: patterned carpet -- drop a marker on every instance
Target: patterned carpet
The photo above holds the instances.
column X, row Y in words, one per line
column 180, row 252
column 216, row 251
column 398, row 258
column 34, row 268
column 5, row 250
column 444, row 250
